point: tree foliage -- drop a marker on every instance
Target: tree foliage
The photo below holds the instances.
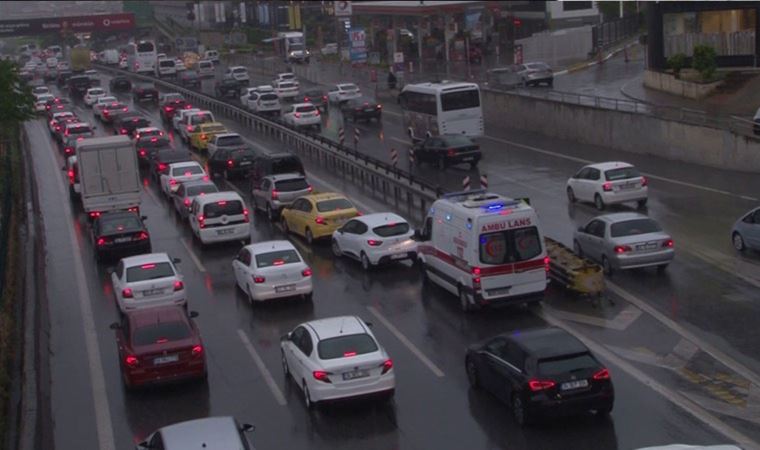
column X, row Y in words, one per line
column 704, row 61
column 16, row 100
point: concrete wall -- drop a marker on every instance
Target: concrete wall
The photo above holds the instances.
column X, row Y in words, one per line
column 668, row 83
column 637, row 133
column 558, row 47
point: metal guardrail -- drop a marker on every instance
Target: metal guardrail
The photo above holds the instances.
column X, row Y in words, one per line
column 409, row 194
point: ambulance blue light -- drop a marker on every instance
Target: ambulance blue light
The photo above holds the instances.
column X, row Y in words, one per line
column 494, row 207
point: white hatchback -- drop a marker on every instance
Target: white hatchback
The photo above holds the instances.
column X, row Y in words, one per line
column 337, row 358
column 92, row 95
column 220, row 217
column 149, row 280
column 608, row 183
column 303, row 115
column 375, row 239
column 179, row 173
column 271, row 270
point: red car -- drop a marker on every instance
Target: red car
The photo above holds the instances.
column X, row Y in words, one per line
column 159, row 345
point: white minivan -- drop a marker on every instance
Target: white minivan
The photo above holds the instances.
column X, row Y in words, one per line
column 206, row 68
column 166, row 67
column 220, row 217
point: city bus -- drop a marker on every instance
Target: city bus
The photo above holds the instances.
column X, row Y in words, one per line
column 432, row 109
column 141, row 56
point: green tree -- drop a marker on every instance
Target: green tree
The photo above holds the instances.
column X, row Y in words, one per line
column 16, row 100
column 676, row 63
column 704, row 61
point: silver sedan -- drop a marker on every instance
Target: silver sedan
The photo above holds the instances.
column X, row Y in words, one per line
column 746, row 231
column 624, row 241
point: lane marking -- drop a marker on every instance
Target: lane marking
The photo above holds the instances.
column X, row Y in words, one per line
column 620, row 322
column 679, row 400
column 153, row 196
column 262, row 368
column 234, row 188
column 195, row 259
column 407, row 343
column 103, row 424
column 394, row 138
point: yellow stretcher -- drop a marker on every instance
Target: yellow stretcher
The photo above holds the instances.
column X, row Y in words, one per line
column 574, row 273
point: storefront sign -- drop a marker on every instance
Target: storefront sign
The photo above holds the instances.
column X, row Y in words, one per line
column 76, row 24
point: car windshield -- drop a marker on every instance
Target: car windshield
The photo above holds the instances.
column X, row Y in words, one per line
column 334, row 204
column 623, row 173
column 145, row 47
column 79, row 130
column 97, row 92
column 222, row 208
column 503, row 247
column 152, row 271
column 166, row 63
column 305, row 108
column 161, row 333
column 566, row 364
column 123, row 224
column 239, row 70
column 453, row 101
column 186, row 171
column 634, row 227
column 294, row 184
column 392, row 229
column 277, row 258
column 346, row 346
column 268, row 97
column 229, row 140
column 193, row 191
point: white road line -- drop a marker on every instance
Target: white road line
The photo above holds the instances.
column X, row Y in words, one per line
column 392, row 113
column 262, row 368
column 704, row 346
column 679, row 400
column 195, row 258
column 407, row 343
column 99, row 394
column 152, row 195
column 394, row 138
column 234, row 188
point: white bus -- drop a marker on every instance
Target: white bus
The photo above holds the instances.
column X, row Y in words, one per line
column 432, row 109
column 141, row 56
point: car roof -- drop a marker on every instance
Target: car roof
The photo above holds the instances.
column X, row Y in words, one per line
column 158, row 314
column 379, row 219
column 622, row 216
column 198, row 183
column 337, row 326
column 210, row 433
column 610, row 165
column 145, row 258
column 285, row 176
column 219, row 196
column 547, row 342
column 296, row 105
column 267, row 246
column 116, row 215
column 184, row 164
column 342, row 85
column 324, row 196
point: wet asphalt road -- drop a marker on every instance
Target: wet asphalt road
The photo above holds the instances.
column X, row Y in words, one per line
column 428, row 411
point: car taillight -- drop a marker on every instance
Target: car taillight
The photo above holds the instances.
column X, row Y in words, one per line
column 123, row 131
column 68, row 150
column 321, row 375
column 374, row 243
column 197, row 350
column 387, row 365
column 127, row 293
column 187, row 202
column 320, row 220
column 201, row 221
column 168, row 109
column 668, row 243
column 101, row 242
column 476, row 278
column 245, row 215
column 94, row 214
column 161, row 167
column 316, row 112
column 71, row 176
column 547, row 263
column 142, row 236
column 379, row 106
column 172, row 182
column 204, row 137
column 607, row 187
column 230, row 163
column 179, row 285
column 298, row 115
column 622, row 248
column 306, row 99
column 603, row 374
column 259, row 280
column 131, row 360
column 306, row 272
column 540, row 385
column 142, row 152
column 309, row 188
column 324, row 98
column 125, row 109
column 275, row 194
column 644, row 181
column 190, row 128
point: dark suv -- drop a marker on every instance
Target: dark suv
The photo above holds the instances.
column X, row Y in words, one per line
column 162, row 158
column 540, row 373
column 144, row 91
column 275, row 164
column 120, row 83
column 228, row 88
column 78, row 85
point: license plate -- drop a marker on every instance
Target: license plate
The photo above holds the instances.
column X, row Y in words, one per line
column 469, row 158
column 245, row 163
column 399, row 256
column 355, row 374
column 628, row 186
column 225, row 231
column 150, row 292
column 574, row 385
column 286, row 288
column 368, row 110
column 165, row 359
column 122, row 240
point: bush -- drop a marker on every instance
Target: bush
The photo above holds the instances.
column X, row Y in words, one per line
column 704, row 61
column 676, row 63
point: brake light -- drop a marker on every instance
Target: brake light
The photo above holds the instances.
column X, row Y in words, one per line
column 168, row 109
column 154, row 139
column 668, row 244
column 349, row 354
column 644, row 181
column 142, row 236
column 125, row 109
column 101, row 242
column 259, row 280
column 540, row 385
column 316, row 112
column 204, row 137
column 379, row 106
column 94, row 214
column 306, row 99
column 161, row 167
column 127, row 293
column 142, row 152
column 547, row 263
column 306, row 272
column 603, row 374
column 320, row 220
column 172, row 182
column 201, row 221
column 374, row 243
column 245, row 215
column 622, row 248
column 71, row 176
column 275, row 194
column 309, row 188
column 387, row 365
column 190, row 128
column 230, row 163
column 68, row 150
column 607, row 187
column 321, row 375
column 187, row 202
column 197, row 350
column 324, row 98
column 123, row 131
column 131, row 360
column 451, row 152
column 298, row 115
column 179, row 285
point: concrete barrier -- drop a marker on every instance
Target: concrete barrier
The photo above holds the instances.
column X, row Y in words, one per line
column 619, row 130
column 669, row 83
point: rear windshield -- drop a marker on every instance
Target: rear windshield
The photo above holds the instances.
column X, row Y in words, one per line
column 166, row 63
column 286, row 85
column 634, row 227
column 215, row 129
column 295, row 184
column 201, row 118
column 145, row 47
column 242, row 153
column 457, row 141
column 286, row 165
column 277, row 258
column 622, row 174
column 566, row 364
column 187, row 170
column 268, row 97
column 222, row 208
column 97, row 91
column 127, row 223
column 193, row 191
column 349, row 87
column 537, row 66
column 160, row 333
column 396, row 229
column 205, row 64
column 174, row 156
column 453, row 101
column 149, row 272
column 344, row 346
column 239, row 70
column 287, row 76
column 334, row 205
column 521, row 244
column 79, row 130
column 305, row 108
column 229, row 140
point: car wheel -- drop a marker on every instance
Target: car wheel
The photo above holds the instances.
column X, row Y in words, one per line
column 309, row 236
column 472, row 373
column 250, row 296
column 738, row 242
column 577, row 249
column 519, row 412
column 598, row 202
column 285, row 368
column 308, row 297
column 336, row 249
column 464, row 300
column 366, row 263
column 608, row 270
column 270, row 213
column 284, row 224
column 604, row 412
column 571, row 195
column 307, row 397
column 642, row 203
column 441, row 163
column 423, row 272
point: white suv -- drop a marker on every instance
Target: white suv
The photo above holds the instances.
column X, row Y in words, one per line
column 303, row 115
column 238, row 73
column 166, row 67
column 286, row 90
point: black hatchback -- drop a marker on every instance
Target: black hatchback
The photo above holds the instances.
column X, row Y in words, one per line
column 544, row 372
column 160, row 163
column 231, row 162
column 127, row 123
column 118, row 234
column 361, row 108
column 148, row 146
column 144, row 91
column 447, row 150
column 120, row 83
column 78, row 85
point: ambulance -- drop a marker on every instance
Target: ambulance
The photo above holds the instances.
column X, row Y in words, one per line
column 485, row 248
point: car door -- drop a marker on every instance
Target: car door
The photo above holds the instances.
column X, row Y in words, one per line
column 332, row 94
column 295, row 215
column 427, row 149
column 217, row 162
column 116, row 277
column 239, row 266
column 592, row 183
column 752, row 227
column 257, row 193
column 305, row 216
column 295, row 355
column 492, row 357
column 594, row 237
column 179, row 197
column 348, row 238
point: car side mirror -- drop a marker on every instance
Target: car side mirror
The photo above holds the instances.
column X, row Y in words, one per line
column 115, row 326
column 176, row 260
column 285, row 337
column 581, row 229
column 193, row 314
column 247, row 428
column 143, row 218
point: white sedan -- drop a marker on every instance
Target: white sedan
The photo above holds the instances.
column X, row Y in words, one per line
column 375, row 239
column 337, row 358
column 148, row 280
column 607, row 184
column 303, row 115
column 92, row 95
column 339, row 93
column 40, row 102
column 272, row 270
column 179, row 173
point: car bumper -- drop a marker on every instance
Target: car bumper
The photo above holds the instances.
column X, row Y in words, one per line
column 506, row 300
column 383, row 385
column 154, row 376
column 288, row 95
column 123, row 250
column 218, row 234
column 132, row 304
column 398, row 253
column 311, row 122
column 611, row 198
column 323, row 231
column 266, row 291
column 368, row 115
column 545, row 407
column 633, row 260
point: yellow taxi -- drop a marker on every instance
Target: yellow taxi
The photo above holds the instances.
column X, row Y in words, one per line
column 204, row 133
column 316, row 216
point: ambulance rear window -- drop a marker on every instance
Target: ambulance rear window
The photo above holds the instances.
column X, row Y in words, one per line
column 510, row 246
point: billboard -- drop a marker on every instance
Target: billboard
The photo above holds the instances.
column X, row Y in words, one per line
column 74, row 24
column 358, row 50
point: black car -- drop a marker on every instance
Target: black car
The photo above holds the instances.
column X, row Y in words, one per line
column 120, row 83
column 541, row 373
column 162, row 158
column 361, row 108
column 119, row 233
column 189, row 78
column 316, row 97
column 231, row 162
column 144, row 91
column 273, row 164
column 78, row 85
column 128, row 122
column 446, row 150
column 170, row 104
column 63, row 77
column 58, row 104
column 148, row 146
column 227, row 88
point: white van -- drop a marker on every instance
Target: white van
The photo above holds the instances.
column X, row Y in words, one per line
column 110, row 56
column 212, row 55
column 166, row 67
column 206, row 68
column 220, row 217
column 484, row 248
column 191, row 121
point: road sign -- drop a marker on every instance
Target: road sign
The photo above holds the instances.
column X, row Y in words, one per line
column 398, row 57
column 518, row 54
column 342, row 9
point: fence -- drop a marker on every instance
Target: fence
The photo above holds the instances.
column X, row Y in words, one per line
column 558, row 47
column 607, row 34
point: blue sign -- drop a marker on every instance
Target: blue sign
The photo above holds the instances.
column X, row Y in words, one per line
column 358, row 49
